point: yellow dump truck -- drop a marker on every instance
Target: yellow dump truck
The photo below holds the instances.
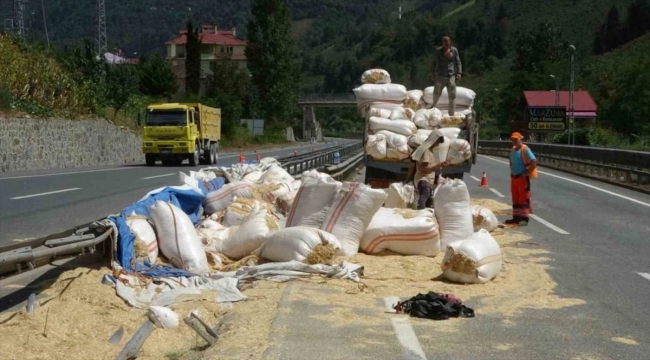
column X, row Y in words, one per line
column 174, row 132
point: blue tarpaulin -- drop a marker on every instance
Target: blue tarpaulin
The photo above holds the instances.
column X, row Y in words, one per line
column 187, row 200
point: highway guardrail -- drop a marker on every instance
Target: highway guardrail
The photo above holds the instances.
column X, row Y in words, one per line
column 626, row 168
column 296, row 165
column 17, row 258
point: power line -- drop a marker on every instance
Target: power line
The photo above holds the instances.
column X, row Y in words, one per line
column 17, row 24
column 102, row 48
column 19, row 10
column 47, row 36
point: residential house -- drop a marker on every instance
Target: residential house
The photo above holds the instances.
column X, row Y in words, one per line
column 119, row 58
column 215, row 45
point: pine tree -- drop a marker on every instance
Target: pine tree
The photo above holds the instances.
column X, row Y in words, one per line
column 271, row 61
column 502, row 13
column 192, row 60
column 122, row 82
column 599, row 41
column 157, row 77
column 612, row 29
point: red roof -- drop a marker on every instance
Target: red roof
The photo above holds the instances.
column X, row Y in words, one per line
column 220, row 38
column 582, row 100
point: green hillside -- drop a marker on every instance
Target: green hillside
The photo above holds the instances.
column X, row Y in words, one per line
column 503, row 43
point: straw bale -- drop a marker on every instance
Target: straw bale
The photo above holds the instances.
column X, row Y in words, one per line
column 322, row 254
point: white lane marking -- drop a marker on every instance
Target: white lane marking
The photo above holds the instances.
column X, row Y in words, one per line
column 46, row 193
column 69, row 173
column 579, row 183
column 645, row 275
column 157, row 176
column 549, row 225
column 475, row 178
column 411, row 349
column 497, row 192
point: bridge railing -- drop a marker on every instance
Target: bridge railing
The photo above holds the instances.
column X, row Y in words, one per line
column 623, row 167
column 327, row 97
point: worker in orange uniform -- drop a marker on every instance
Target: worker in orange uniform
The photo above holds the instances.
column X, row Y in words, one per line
column 523, row 167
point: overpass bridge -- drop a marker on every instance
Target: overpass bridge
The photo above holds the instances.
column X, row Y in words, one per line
column 327, row 100
column 308, row 102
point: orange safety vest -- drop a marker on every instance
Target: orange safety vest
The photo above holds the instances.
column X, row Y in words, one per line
column 524, row 156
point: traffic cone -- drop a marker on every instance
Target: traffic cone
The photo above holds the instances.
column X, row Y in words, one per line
column 242, row 158
column 295, row 153
column 259, row 158
column 484, row 180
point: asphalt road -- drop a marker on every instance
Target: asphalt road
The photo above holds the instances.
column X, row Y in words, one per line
column 598, row 236
column 39, row 203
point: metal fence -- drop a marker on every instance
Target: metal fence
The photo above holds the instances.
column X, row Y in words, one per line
column 295, row 165
column 627, row 167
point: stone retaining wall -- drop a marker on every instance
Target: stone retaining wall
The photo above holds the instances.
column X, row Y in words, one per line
column 32, row 144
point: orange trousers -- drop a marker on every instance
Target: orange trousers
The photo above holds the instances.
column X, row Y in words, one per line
column 522, row 204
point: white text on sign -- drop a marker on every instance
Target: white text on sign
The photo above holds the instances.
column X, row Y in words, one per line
column 546, row 126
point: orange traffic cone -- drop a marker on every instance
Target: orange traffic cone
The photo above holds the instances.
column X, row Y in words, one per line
column 242, row 158
column 259, row 157
column 295, row 153
column 484, row 180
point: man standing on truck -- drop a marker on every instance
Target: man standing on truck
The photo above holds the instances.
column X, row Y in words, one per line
column 424, row 169
column 446, row 69
column 523, row 167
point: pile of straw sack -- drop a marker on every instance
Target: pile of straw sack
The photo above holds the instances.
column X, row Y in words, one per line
column 398, row 119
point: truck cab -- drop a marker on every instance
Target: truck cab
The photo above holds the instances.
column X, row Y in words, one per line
column 174, row 132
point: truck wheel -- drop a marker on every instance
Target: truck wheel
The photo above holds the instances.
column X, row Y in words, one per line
column 216, row 153
column 166, row 162
column 150, row 159
column 195, row 158
column 213, row 154
column 205, row 156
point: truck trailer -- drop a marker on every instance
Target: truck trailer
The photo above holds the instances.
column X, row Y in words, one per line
column 382, row 173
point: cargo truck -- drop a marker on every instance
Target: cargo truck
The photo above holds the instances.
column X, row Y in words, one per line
column 174, row 132
column 382, row 173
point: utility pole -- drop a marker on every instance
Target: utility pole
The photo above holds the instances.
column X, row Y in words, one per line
column 400, row 11
column 47, row 36
column 102, row 48
column 557, row 90
column 572, row 134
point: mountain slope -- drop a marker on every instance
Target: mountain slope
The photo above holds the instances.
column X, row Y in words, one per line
column 336, row 40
